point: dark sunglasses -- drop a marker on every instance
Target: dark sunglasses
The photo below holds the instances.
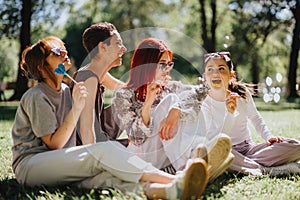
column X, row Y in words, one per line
column 59, row 51
column 166, row 66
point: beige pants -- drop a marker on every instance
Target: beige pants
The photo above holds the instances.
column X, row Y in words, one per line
column 104, row 164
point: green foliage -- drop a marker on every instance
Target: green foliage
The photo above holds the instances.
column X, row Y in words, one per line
column 8, row 59
column 74, row 44
column 254, row 23
column 44, row 21
column 134, row 13
column 10, row 17
column 259, row 31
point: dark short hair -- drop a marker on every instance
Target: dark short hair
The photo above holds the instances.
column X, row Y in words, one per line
column 96, row 33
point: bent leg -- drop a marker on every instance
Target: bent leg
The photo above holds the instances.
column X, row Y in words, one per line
column 245, row 165
column 151, row 151
column 276, row 154
column 78, row 163
column 187, row 133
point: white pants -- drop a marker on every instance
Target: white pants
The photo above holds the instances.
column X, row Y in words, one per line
column 177, row 150
column 104, row 164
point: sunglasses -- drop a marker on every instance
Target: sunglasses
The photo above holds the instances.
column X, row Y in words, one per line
column 166, row 66
column 59, row 51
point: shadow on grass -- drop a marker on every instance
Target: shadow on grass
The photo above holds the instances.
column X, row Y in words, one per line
column 11, row 189
column 7, row 112
column 213, row 189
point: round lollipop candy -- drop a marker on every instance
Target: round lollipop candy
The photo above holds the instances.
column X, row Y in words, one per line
column 61, row 70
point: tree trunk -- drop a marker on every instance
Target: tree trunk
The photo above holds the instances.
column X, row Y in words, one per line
column 21, row 84
column 254, row 69
column 213, row 5
column 209, row 40
column 292, row 74
column 204, row 31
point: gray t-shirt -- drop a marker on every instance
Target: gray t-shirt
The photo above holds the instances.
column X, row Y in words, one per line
column 42, row 110
column 101, row 134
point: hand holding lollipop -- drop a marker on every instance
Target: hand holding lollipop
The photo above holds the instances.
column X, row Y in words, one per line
column 231, row 101
column 61, row 70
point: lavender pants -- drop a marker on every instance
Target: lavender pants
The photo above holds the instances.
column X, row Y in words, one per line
column 251, row 158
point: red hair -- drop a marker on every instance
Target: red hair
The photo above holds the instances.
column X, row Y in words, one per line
column 144, row 63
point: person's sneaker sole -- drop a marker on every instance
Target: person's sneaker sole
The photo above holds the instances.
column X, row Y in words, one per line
column 220, row 170
column 196, row 179
column 201, row 152
column 218, row 153
column 285, row 169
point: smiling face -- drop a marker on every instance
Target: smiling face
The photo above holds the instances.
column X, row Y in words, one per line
column 116, row 49
column 217, row 73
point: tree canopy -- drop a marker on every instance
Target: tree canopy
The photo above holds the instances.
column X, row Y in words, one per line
column 263, row 36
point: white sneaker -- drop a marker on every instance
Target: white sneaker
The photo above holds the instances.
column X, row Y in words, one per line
column 192, row 181
column 222, row 168
column 200, row 152
column 218, row 153
column 286, row 169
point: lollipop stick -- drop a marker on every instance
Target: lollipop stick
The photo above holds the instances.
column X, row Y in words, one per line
column 70, row 77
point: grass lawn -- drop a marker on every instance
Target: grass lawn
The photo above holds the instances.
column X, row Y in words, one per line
column 282, row 119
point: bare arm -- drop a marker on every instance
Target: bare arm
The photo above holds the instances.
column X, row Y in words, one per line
column 87, row 117
column 111, row 82
column 59, row 138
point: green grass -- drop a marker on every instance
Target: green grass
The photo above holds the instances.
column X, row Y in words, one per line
column 282, row 119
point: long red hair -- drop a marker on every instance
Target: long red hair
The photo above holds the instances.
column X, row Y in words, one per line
column 144, row 63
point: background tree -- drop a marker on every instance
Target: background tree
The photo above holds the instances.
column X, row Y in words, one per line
column 16, row 13
column 208, row 34
column 293, row 66
column 7, row 60
column 26, row 12
column 259, row 31
column 133, row 14
column 253, row 23
column 17, row 16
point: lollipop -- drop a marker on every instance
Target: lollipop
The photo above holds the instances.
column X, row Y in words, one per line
column 61, row 70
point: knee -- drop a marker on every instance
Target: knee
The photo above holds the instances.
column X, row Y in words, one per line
column 108, row 147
